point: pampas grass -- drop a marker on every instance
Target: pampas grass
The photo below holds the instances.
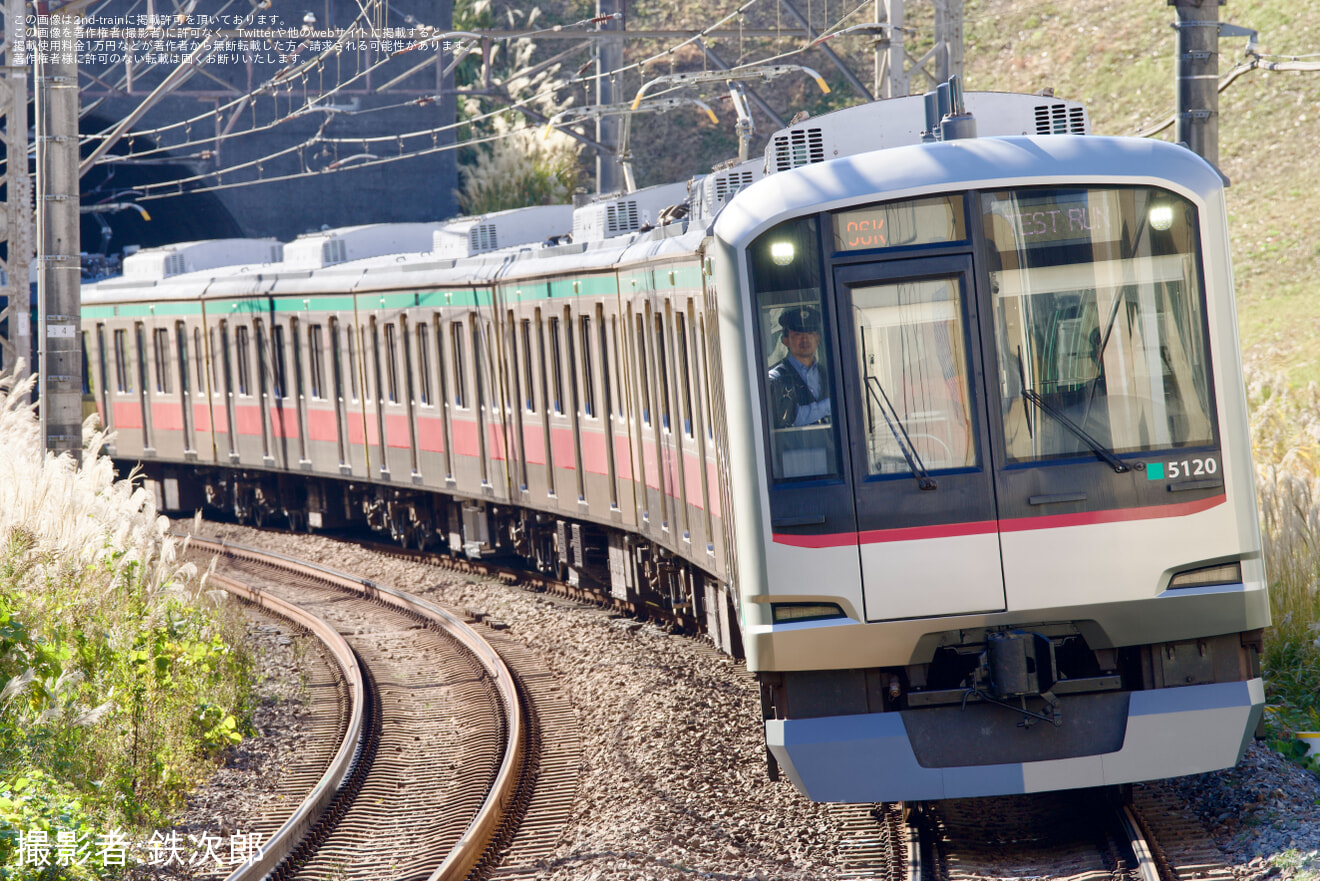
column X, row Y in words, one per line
column 120, row 680
column 1285, row 429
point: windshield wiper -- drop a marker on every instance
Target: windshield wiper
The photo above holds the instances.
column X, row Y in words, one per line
column 905, row 445
column 1098, row 448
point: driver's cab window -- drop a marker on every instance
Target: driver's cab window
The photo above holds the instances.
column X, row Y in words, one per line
column 794, row 340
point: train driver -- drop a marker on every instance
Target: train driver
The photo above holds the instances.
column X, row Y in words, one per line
column 799, row 384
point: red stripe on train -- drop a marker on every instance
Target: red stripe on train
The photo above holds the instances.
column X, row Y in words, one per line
column 166, row 416
column 321, row 425
column 981, row 527
column 128, row 415
column 430, row 434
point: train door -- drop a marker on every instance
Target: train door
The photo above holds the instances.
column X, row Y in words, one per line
column 920, row 465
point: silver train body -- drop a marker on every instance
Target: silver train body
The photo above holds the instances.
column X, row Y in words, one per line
column 1006, row 541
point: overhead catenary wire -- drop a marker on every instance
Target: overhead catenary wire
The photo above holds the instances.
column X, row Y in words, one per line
column 178, row 186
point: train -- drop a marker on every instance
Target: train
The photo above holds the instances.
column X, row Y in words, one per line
column 935, row 418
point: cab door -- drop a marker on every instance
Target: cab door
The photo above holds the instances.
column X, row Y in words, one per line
column 919, row 454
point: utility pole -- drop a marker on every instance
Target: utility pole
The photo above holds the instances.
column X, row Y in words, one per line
column 609, row 58
column 1197, row 48
column 894, row 67
column 17, row 213
column 59, row 267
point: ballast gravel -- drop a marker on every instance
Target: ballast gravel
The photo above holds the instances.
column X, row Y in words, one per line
column 673, row 782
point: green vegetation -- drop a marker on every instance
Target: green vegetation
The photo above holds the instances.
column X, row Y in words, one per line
column 1286, row 428
column 508, row 162
column 119, row 680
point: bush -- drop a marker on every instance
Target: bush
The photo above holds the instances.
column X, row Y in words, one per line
column 120, row 676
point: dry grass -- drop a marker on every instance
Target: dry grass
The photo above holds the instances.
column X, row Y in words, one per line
column 1286, row 436
column 119, row 676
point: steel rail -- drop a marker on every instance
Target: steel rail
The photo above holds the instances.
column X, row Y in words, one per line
column 286, row 838
column 487, row 822
column 1147, row 867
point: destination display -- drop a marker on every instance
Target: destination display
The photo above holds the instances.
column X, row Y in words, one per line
column 901, row 224
column 1017, row 220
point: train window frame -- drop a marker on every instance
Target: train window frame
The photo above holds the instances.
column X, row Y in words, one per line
column 662, row 363
column 259, row 331
column 295, row 349
column 529, row 376
column 243, row 355
column 160, row 347
column 350, row 329
column 200, row 361
column 123, row 374
column 588, row 380
column 1155, row 279
column 643, row 371
column 870, row 225
column 786, row 268
column 391, row 363
column 556, row 365
column 620, row 370
column 458, row 352
column 424, row 388
column 278, row 362
column 316, row 360
column 685, row 371
column 705, row 372
column 103, row 366
column 213, row 362
column 181, row 345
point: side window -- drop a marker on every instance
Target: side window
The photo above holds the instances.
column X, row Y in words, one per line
column 588, row 382
column 277, row 360
column 181, row 343
column 392, row 362
column 662, row 372
column 643, row 371
column 459, row 353
column 424, row 363
column 197, row 356
column 440, row 363
column 352, row 361
column 297, row 358
column 123, row 376
column 243, row 347
column 160, row 338
column 684, row 371
column 795, row 352
column 529, row 388
column 316, row 359
column 556, row 367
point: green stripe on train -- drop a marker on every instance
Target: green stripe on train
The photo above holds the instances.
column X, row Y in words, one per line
column 148, row 310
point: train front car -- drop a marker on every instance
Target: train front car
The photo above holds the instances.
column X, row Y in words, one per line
column 990, row 466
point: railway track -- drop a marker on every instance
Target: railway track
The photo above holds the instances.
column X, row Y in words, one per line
column 457, row 757
column 1089, row 835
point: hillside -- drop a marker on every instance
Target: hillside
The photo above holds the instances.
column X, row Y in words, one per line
column 1116, row 56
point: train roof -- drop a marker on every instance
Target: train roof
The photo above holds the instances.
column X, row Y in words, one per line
column 902, row 172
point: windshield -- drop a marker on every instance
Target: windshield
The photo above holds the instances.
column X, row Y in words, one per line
column 1098, row 314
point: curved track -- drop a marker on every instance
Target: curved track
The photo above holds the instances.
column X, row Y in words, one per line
column 435, row 789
